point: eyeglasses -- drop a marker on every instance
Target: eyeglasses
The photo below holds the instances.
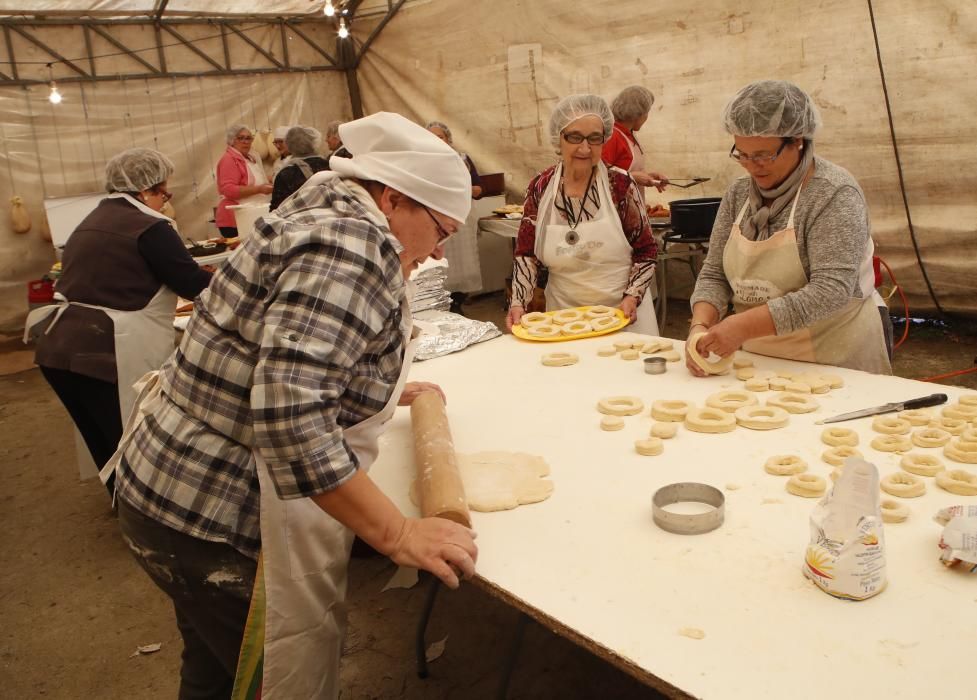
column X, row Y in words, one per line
column 443, row 234
column 757, row 158
column 244, row 138
column 575, row 137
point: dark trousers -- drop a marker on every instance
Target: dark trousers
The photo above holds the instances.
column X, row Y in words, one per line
column 93, row 405
column 210, row 585
column 228, row 231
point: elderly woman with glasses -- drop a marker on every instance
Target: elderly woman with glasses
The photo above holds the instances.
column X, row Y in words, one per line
column 586, row 223
column 791, row 247
column 631, row 109
column 240, row 176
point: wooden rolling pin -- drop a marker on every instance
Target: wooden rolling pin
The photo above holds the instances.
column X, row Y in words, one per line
column 439, row 487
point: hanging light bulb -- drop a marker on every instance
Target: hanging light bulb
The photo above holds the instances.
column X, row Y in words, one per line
column 55, row 96
column 343, row 31
column 328, row 10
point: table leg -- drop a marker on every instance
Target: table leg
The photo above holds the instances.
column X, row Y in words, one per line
column 420, row 644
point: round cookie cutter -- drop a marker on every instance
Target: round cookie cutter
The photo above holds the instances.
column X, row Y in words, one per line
column 655, row 365
column 683, row 524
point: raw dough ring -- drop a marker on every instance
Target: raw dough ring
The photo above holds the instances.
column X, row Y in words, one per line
column 544, row 330
column 960, row 451
column 893, row 511
column 602, row 323
column 709, row 420
column 968, row 400
column 887, row 425
column 665, row 431
column 611, row 423
column 837, row 455
column 806, row 485
column 839, row 436
column 559, row 359
column 785, row 465
column 670, row 411
column 599, row 312
column 917, row 417
column 891, row 443
column 729, row 401
column 762, row 417
column 719, row 367
column 960, row 411
column 958, row 481
column 620, row 405
column 567, row 316
column 903, row 485
column 794, row 403
column 534, row 318
column 576, row 328
column 954, row 426
column 921, row 464
column 931, row 437
column 649, row 447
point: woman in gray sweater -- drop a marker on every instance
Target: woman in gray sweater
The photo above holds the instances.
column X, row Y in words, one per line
column 791, row 247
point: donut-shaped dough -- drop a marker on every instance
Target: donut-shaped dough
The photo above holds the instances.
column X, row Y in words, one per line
column 888, row 425
column 954, row 426
column 599, row 311
column 903, row 485
column 798, row 387
column 839, row 436
column 670, row 411
column 930, row 437
column 793, row 403
column 917, row 417
column 761, row 417
column 960, row 451
column 649, row 446
column 607, row 351
column 576, row 328
column 611, row 423
column 742, row 362
column 544, row 330
column 534, row 318
column 566, row 316
column 968, row 400
column 602, row 323
column 960, row 411
column 806, row 485
column 921, row 464
column 719, row 367
column 745, row 373
column 893, row 511
column 837, row 455
column 891, row 443
column 665, row 431
column 778, row 383
column 785, row 465
column 729, row 401
column 709, row 420
column 958, row 481
column 559, row 359
column 620, row 405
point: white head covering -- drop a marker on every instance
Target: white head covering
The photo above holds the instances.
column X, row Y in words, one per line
column 391, row 149
column 280, row 132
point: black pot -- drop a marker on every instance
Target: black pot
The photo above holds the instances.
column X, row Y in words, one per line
column 693, row 218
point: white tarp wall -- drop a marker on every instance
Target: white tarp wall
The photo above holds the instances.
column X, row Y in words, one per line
column 493, row 70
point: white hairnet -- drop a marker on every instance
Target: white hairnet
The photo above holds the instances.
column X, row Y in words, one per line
column 443, row 127
column 137, row 169
column 771, row 108
column 391, row 149
column 233, row 131
column 302, row 140
column 573, row 107
column 332, row 128
column 279, row 133
column 633, row 102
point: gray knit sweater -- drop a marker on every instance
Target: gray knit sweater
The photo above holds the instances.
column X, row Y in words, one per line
column 833, row 229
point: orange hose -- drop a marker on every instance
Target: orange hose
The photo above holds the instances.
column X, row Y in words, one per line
column 948, row 374
column 905, row 303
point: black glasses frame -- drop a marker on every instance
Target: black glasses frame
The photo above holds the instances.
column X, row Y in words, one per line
column 443, row 234
column 743, row 159
column 577, row 138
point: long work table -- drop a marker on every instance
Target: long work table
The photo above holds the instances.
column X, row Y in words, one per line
column 591, row 563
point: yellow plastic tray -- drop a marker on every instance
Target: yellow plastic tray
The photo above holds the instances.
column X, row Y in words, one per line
column 520, row 332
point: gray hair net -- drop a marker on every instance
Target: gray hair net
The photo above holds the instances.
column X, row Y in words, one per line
column 332, row 128
column 772, row 108
column 302, row 140
column 233, row 131
column 443, row 127
column 633, row 102
column 137, row 169
column 573, row 107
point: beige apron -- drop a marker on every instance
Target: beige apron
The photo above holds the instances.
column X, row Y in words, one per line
column 758, row 271
column 306, row 555
column 589, row 264
column 637, row 159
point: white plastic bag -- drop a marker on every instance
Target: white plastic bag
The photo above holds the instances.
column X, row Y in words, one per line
column 958, row 542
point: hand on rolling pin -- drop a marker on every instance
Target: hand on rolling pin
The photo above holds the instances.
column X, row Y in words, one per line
column 513, row 317
column 629, row 306
column 437, row 545
column 414, row 389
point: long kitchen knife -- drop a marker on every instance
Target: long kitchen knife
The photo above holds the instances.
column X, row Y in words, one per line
column 922, row 402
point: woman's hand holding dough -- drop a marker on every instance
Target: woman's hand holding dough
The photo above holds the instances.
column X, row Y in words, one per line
column 512, row 318
column 629, row 306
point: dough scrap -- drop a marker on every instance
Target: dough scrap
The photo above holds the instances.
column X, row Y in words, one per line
column 629, row 354
column 719, row 367
column 778, row 383
column 607, row 351
column 611, row 423
column 757, row 384
column 559, row 359
column 692, row 633
column 745, row 373
column 741, row 362
column 649, row 447
column 499, row 480
column 665, row 431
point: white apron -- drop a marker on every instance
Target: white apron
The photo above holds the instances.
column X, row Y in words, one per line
column 143, row 338
column 256, row 176
column 758, row 271
column 594, row 267
column 637, row 159
column 306, row 555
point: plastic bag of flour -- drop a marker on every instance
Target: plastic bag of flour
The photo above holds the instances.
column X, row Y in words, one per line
column 846, row 554
column 958, row 543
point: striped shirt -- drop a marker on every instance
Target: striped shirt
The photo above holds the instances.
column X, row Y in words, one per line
column 297, row 337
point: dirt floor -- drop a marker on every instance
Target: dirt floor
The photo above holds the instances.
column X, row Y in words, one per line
column 75, row 606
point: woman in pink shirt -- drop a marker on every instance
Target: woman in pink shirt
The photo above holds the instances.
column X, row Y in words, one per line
column 239, row 176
